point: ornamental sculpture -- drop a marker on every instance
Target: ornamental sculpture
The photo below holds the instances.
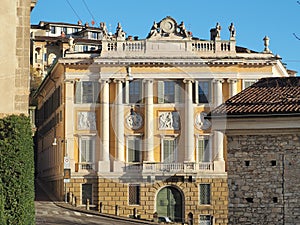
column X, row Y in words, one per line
column 86, row 121
column 169, row 121
column 134, row 120
column 202, row 123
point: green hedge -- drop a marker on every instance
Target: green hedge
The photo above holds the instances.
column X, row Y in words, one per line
column 16, row 171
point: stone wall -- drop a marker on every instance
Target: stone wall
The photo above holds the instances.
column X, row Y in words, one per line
column 263, row 179
column 112, row 192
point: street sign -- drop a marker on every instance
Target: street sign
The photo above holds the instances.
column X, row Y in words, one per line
column 67, row 162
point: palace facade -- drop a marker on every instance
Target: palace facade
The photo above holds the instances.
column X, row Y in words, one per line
column 123, row 127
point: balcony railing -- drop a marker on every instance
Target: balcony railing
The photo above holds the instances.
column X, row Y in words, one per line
column 160, row 167
column 86, row 166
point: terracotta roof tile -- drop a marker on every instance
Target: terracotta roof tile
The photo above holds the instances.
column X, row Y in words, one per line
column 267, row 96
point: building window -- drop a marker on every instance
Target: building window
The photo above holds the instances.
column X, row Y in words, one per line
column 87, row 92
column 133, row 91
column 52, row 30
column 204, row 148
column 204, row 193
column 85, row 48
column 65, row 30
column 168, row 91
column 169, row 150
column 134, row 194
column 94, row 35
column 134, row 147
column 248, row 83
column 87, row 151
column 205, row 220
column 202, row 91
column 86, row 193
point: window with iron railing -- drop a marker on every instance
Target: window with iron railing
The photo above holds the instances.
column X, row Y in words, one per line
column 134, row 194
column 205, row 194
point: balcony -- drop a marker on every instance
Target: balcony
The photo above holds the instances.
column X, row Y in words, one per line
column 156, row 168
column 85, row 166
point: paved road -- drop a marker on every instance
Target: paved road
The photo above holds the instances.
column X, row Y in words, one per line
column 47, row 213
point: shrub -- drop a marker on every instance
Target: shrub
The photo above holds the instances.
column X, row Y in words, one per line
column 16, row 171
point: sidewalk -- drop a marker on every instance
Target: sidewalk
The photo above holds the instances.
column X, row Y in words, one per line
column 91, row 212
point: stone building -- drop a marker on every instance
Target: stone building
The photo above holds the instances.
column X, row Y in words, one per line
column 263, row 133
column 14, row 56
column 128, row 121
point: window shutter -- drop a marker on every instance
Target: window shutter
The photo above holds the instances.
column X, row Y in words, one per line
column 78, row 92
column 141, row 91
column 200, row 150
column 96, row 92
column 196, row 96
column 177, row 93
column 130, row 151
column 126, row 92
column 160, row 91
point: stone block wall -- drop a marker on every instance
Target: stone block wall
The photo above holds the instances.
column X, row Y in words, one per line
column 263, row 179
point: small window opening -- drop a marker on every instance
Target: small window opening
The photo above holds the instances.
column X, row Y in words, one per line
column 247, row 163
column 273, row 163
column 250, row 200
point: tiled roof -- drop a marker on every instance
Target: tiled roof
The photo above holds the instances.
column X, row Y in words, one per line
column 269, row 96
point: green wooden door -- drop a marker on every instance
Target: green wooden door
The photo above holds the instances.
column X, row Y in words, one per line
column 169, row 203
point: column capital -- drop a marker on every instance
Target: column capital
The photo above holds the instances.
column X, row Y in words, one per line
column 105, row 80
column 119, row 80
column 146, row 80
column 188, row 80
column 232, row 80
column 218, row 80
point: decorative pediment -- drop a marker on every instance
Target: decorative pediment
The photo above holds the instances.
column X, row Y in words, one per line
column 168, row 27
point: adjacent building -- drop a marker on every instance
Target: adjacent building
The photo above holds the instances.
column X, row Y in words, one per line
column 263, row 132
column 128, row 121
column 14, row 56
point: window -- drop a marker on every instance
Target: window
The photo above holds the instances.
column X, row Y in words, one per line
column 168, row 91
column 65, row 30
column 87, row 151
column 87, row 92
column 205, row 220
column 87, row 193
column 85, row 48
column 134, row 148
column 94, row 35
column 248, row 83
column 169, row 150
column 202, row 91
column 52, row 30
column 204, row 148
column 133, row 91
column 134, row 194
column 204, row 193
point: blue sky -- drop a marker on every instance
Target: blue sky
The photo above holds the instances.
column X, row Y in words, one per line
column 253, row 19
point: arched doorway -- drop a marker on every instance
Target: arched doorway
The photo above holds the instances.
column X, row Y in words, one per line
column 169, row 203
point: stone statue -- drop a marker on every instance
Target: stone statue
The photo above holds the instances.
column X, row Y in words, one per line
column 71, row 44
column 182, row 30
column 154, row 30
column 120, row 33
column 218, row 30
column 232, row 30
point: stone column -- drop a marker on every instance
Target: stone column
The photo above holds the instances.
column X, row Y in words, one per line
column 219, row 163
column 104, row 163
column 119, row 126
column 149, row 123
column 69, row 123
column 189, row 122
column 232, row 87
